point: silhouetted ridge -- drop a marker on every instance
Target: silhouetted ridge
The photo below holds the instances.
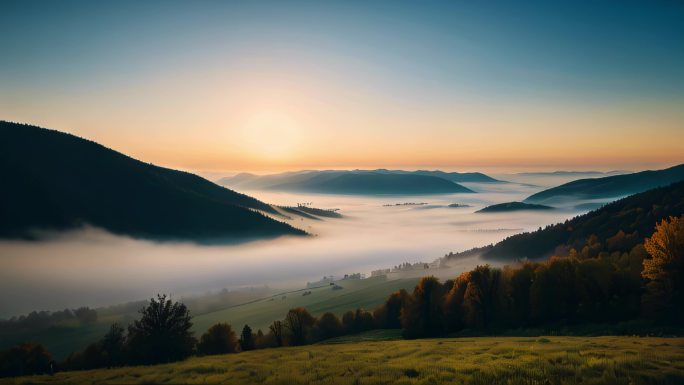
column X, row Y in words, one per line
column 611, row 186
column 54, row 180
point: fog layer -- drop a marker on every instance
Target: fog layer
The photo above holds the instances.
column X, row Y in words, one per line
column 95, row 268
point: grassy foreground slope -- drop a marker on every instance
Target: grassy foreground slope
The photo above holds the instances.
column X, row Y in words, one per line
column 487, row 360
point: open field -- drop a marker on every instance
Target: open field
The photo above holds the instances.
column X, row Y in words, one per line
column 355, row 293
column 486, row 360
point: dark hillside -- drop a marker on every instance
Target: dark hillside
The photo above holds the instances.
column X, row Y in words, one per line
column 612, row 186
column 617, row 226
column 53, row 180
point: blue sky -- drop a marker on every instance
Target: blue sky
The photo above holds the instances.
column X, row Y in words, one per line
column 416, row 61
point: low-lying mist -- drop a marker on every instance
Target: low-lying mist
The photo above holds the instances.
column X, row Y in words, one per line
column 93, row 268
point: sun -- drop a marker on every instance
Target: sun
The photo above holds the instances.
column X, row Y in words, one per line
column 271, row 135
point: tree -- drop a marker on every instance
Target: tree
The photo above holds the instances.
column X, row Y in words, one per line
column 276, row 331
column 348, row 321
column 86, row 315
column 219, row 339
column 299, row 323
column 246, row 339
column 162, row 334
column 553, row 294
column 388, row 314
column 473, row 306
column 482, row 297
column 328, row 326
column 363, row 321
column 453, row 303
column 25, row 359
column 261, row 341
column 113, row 346
column 423, row 315
column 664, row 270
column 519, row 281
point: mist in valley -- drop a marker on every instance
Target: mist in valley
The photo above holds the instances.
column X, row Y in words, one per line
column 91, row 267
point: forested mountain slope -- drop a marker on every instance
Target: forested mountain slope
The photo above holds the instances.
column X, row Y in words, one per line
column 55, row 181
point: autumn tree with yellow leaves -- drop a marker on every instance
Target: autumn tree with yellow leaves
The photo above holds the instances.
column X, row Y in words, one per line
column 664, row 270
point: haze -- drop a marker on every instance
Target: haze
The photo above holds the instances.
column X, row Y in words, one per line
column 94, row 268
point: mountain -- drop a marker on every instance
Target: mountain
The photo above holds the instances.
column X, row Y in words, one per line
column 615, row 227
column 248, row 181
column 54, row 180
column 574, row 173
column 611, row 186
column 458, row 177
column 363, row 182
column 371, row 183
column 513, row 206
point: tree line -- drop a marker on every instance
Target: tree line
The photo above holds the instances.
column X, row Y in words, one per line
column 583, row 288
column 45, row 319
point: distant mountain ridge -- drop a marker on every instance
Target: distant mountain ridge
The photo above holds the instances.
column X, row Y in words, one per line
column 458, row 177
column 380, row 181
column 611, row 186
column 571, row 173
column 54, row 180
column 374, row 183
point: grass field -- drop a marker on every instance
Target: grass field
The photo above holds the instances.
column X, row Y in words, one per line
column 486, row 360
column 356, row 293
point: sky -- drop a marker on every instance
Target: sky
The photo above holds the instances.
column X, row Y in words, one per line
column 229, row 86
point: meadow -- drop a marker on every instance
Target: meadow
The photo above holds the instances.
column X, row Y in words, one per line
column 355, row 293
column 485, row 360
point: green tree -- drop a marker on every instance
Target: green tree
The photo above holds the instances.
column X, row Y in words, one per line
column 162, row 334
column 246, row 339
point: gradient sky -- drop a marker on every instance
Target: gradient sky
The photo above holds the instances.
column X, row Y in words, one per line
column 269, row 86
